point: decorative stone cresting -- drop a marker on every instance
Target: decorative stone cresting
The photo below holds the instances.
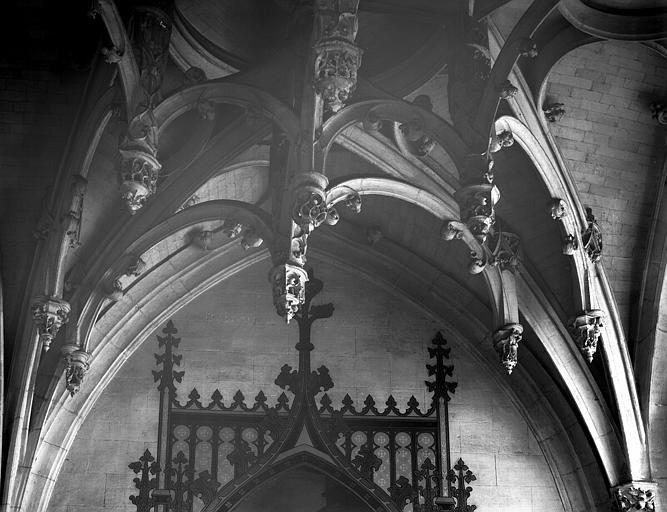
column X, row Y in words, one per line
column 49, row 314
column 586, row 332
column 337, row 58
column 77, row 364
column 506, row 342
column 631, row 497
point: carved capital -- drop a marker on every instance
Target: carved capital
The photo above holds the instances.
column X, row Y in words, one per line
column 585, row 330
column 77, row 364
column 49, row 314
column 289, row 289
column 477, row 204
column 635, row 496
column 506, row 342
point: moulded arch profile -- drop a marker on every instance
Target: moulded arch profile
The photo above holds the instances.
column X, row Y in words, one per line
column 233, row 495
column 394, row 110
column 226, row 91
column 208, row 211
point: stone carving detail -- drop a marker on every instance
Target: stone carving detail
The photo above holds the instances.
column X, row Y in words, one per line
column 202, row 239
column 506, row 342
column 289, row 287
column 151, row 32
column 416, row 141
column 659, row 112
column 554, row 112
column 591, row 238
column 528, row 49
column 507, row 90
column 374, row 235
column 452, row 230
column 505, row 254
column 337, row 58
column 193, row 76
column 570, row 244
column 112, row 55
column 586, row 332
column 504, row 139
column 630, row 498
column 76, row 209
column 139, row 165
column 309, row 208
column 49, row 314
column 76, row 366
column 206, row 109
column 477, row 204
column 372, row 123
column 558, row 209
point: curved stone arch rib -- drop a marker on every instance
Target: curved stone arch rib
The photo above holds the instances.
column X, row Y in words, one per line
column 395, row 110
column 127, row 66
column 226, row 91
column 632, row 25
column 296, row 459
column 210, row 210
column 595, row 292
column 524, row 29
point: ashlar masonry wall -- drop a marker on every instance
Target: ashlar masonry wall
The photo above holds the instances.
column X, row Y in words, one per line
column 375, row 343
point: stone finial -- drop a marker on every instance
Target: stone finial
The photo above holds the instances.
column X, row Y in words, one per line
column 585, row 330
column 49, row 314
column 506, row 342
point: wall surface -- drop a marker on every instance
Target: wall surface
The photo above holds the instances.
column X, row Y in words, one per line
column 375, row 343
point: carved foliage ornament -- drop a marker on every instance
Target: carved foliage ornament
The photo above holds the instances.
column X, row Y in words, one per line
column 554, row 112
column 630, row 498
column 506, row 342
column 505, row 254
column 586, row 332
column 50, row 315
column 659, row 112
